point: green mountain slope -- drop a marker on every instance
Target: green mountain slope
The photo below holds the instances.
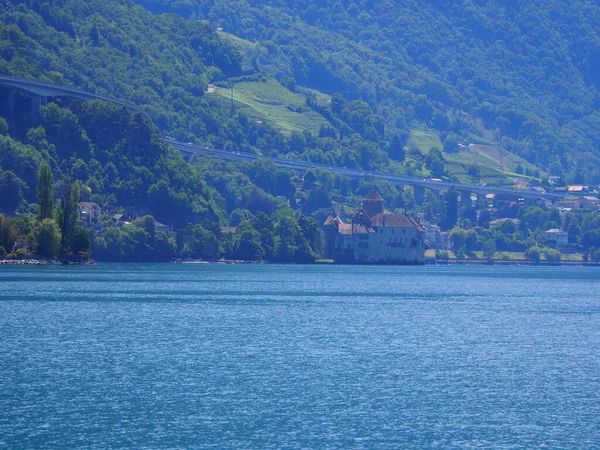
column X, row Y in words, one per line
column 164, row 64
column 527, row 72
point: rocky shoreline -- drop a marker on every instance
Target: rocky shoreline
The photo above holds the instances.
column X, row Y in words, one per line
column 42, row 262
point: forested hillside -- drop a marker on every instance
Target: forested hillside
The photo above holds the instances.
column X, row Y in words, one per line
column 527, row 72
column 164, row 65
column 378, row 86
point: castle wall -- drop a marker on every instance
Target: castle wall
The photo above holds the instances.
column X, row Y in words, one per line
column 388, row 245
column 396, row 245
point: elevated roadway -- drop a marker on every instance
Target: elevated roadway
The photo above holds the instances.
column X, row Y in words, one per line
column 190, row 149
column 42, row 89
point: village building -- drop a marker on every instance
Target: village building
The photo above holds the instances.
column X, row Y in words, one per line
column 375, row 236
column 561, row 237
column 573, row 203
column 89, row 212
column 435, row 238
column 589, row 202
column 123, row 219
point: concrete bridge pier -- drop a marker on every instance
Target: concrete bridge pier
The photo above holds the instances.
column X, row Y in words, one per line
column 36, row 102
column 10, row 103
column 419, row 194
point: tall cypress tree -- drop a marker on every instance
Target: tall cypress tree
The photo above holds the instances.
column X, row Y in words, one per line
column 451, row 213
column 68, row 214
column 45, row 192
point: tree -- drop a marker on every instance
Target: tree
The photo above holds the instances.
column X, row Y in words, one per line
column 68, row 214
column 435, row 162
column 489, row 248
column 3, row 126
column 396, row 146
column 458, row 236
column 48, row 238
column 201, row 244
column 471, row 240
column 45, row 192
column 11, row 191
column 8, row 233
column 80, row 241
column 250, row 247
column 533, row 254
column 552, row 256
column 451, row 211
column 451, row 143
column 337, row 103
column 485, row 216
column 266, row 228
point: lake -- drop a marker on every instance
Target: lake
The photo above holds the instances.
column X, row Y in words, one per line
column 283, row 356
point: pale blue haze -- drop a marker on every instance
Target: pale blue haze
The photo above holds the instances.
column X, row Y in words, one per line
column 259, row 357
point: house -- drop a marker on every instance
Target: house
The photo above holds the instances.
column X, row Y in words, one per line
column 589, row 202
column 563, row 210
column 554, row 180
column 161, row 227
column 434, row 237
column 374, row 236
column 89, row 212
column 573, row 203
column 561, row 237
column 120, row 219
column 576, row 189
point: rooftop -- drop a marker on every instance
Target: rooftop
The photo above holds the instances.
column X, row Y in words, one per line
column 373, row 196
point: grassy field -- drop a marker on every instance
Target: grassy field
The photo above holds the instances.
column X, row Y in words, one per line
column 494, row 165
column 424, row 140
column 505, row 256
column 270, row 102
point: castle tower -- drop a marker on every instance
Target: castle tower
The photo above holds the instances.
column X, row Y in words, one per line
column 372, row 204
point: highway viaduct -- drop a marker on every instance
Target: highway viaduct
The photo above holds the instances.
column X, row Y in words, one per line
column 40, row 92
column 419, row 184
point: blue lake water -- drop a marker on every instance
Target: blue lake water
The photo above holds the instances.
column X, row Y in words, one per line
column 273, row 356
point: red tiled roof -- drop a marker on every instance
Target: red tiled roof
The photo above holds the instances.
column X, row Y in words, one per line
column 89, row 205
column 346, row 228
column 373, row 196
column 393, row 220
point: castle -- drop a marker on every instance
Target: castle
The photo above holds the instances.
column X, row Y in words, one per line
column 375, row 236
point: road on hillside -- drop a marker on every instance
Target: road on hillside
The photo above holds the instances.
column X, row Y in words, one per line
column 50, row 90
column 189, row 149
